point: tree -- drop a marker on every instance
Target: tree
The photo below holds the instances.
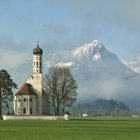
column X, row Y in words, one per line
column 6, row 86
column 60, row 87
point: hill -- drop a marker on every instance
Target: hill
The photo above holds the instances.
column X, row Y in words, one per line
column 102, row 107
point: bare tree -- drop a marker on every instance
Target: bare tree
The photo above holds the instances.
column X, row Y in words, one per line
column 60, row 87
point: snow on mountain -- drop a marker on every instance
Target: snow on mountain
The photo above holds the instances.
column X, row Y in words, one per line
column 89, row 51
column 133, row 64
column 62, row 64
column 95, row 58
column 93, row 51
column 100, row 73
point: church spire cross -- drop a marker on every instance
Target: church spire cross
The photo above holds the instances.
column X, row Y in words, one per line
column 38, row 44
column 37, row 50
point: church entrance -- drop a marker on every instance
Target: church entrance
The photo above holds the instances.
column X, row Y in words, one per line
column 24, row 110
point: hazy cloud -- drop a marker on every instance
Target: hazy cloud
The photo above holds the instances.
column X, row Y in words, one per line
column 99, row 88
column 121, row 10
column 12, row 59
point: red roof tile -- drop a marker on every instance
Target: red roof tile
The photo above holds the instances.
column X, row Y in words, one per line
column 26, row 89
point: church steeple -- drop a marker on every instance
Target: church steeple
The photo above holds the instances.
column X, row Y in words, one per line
column 37, row 75
column 37, row 50
column 29, row 100
column 38, row 44
column 37, row 59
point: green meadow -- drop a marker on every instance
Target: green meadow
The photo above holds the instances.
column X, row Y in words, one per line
column 97, row 128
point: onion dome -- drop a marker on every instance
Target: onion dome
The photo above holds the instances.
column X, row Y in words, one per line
column 37, row 50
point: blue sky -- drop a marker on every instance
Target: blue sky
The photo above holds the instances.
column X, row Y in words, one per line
column 65, row 25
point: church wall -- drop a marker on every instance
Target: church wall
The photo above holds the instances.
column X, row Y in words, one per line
column 25, row 105
column 16, row 117
column 33, row 104
column 45, row 105
column 30, row 80
column 15, row 105
column 37, row 84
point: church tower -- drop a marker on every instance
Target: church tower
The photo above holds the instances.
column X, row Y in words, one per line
column 37, row 76
column 31, row 99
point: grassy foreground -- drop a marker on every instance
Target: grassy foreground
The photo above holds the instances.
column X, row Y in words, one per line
column 79, row 129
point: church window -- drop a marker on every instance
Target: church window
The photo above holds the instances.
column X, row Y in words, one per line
column 31, row 99
column 24, row 110
column 37, row 64
column 24, row 99
column 18, row 110
column 34, row 63
column 30, row 110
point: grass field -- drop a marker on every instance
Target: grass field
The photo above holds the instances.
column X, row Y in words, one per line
column 77, row 129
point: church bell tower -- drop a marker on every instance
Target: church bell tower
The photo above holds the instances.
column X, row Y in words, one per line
column 37, row 76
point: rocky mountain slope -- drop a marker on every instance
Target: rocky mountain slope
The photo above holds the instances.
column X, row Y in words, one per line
column 100, row 74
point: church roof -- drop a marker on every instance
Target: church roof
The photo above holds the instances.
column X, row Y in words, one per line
column 37, row 50
column 26, row 89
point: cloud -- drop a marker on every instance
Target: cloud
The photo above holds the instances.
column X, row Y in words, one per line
column 126, row 90
column 123, row 11
column 129, row 10
column 60, row 37
column 99, row 88
column 12, row 59
column 116, row 23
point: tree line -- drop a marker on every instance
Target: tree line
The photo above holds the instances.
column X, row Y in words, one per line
column 61, row 88
column 59, row 85
column 103, row 107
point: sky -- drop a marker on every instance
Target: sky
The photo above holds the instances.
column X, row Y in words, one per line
column 65, row 25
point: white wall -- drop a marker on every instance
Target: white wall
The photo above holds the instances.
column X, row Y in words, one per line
column 33, row 117
column 19, row 104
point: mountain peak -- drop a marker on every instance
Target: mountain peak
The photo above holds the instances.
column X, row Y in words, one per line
column 95, row 43
column 91, row 50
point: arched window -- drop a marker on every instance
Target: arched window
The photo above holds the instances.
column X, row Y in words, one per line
column 37, row 64
column 31, row 100
column 24, row 99
column 24, row 110
column 18, row 111
column 30, row 110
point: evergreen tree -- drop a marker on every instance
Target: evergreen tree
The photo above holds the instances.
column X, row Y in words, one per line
column 6, row 86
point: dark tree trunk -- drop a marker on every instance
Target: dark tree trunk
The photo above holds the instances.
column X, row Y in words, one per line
column 63, row 109
column 54, row 108
column 0, row 108
column 0, row 103
column 57, row 109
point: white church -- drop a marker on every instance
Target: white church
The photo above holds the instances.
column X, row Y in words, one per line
column 31, row 99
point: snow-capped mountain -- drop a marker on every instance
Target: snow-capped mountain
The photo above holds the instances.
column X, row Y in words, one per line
column 89, row 51
column 133, row 64
column 100, row 73
column 92, row 51
column 93, row 57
